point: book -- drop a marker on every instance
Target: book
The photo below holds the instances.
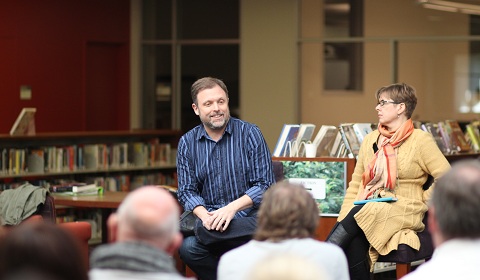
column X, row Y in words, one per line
column 442, row 129
column 345, row 146
column 288, row 134
column 473, row 136
column 36, row 161
column 350, row 139
column 76, row 189
column 82, row 188
column 324, row 140
column 361, row 130
column 457, row 136
column 90, row 156
column 434, row 130
column 305, row 134
column 336, row 145
column 25, row 123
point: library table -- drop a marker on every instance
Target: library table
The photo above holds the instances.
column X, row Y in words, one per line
column 108, row 202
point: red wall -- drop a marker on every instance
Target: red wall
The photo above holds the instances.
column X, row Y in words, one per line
column 44, row 43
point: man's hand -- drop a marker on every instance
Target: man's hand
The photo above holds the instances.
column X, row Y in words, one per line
column 220, row 218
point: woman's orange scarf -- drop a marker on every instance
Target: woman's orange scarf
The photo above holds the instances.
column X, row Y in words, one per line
column 381, row 172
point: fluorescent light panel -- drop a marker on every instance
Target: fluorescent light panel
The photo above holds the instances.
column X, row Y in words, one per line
column 449, row 6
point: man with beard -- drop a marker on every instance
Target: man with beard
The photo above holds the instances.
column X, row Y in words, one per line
column 224, row 166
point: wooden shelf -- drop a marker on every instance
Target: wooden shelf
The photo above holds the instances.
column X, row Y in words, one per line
column 74, row 156
column 82, row 137
column 89, row 171
column 459, row 156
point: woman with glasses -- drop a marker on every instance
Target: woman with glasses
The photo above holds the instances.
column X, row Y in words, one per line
column 394, row 161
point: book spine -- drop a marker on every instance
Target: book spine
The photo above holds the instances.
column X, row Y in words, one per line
column 458, row 136
column 280, row 142
column 446, row 138
column 345, row 141
column 472, row 135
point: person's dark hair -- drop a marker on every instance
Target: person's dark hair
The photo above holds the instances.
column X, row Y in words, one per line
column 206, row 83
column 400, row 93
column 287, row 211
column 456, row 201
column 44, row 248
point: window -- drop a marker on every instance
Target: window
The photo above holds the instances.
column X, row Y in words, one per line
column 183, row 40
column 343, row 60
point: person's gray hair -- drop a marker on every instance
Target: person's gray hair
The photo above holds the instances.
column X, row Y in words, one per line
column 456, row 201
column 147, row 230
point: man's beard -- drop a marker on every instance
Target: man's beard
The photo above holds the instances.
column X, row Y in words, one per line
column 217, row 125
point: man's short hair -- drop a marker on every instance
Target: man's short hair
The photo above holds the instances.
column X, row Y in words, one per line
column 206, row 83
column 287, row 211
column 456, row 200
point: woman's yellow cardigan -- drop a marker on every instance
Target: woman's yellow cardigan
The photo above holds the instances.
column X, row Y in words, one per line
column 386, row 225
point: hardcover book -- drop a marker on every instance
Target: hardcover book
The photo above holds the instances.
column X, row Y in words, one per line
column 305, row 134
column 444, row 132
column 361, row 130
column 433, row 129
column 325, row 139
column 457, row 136
column 337, row 145
column 36, row 161
column 288, row 134
column 473, row 135
column 350, row 139
column 25, row 123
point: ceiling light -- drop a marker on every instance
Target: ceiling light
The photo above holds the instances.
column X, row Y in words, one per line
column 450, row 6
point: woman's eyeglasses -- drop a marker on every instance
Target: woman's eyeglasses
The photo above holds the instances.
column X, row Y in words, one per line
column 383, row 102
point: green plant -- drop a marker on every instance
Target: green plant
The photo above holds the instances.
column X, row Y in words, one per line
column 332, row 172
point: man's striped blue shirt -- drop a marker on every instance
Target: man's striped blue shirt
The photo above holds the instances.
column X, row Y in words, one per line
column 213, row 174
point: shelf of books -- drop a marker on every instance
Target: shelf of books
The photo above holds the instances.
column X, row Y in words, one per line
column 114, row 160
column 457, row 140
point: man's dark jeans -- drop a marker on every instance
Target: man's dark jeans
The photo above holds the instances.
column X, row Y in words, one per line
column 202, row 251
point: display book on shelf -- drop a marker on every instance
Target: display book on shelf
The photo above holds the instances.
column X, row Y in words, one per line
column 291, row 139
column 345, row 139
column 25, row 122
column 115, row 160
column 333, row 141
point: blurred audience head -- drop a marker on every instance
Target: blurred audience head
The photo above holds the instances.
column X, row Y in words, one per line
column 149, row 214
column 454, row 207
column 40, row 251
column 287, row 211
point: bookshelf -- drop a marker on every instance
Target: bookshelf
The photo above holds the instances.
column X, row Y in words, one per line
column 119, row 155
column 138, row 157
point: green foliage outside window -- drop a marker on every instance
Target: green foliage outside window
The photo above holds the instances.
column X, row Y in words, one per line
column 334, row 174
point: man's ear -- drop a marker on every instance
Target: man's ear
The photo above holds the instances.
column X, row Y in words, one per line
column 195, row 109
column 112, row 224
column 175, row 244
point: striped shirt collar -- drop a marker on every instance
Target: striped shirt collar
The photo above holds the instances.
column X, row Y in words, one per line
column 202, row 132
